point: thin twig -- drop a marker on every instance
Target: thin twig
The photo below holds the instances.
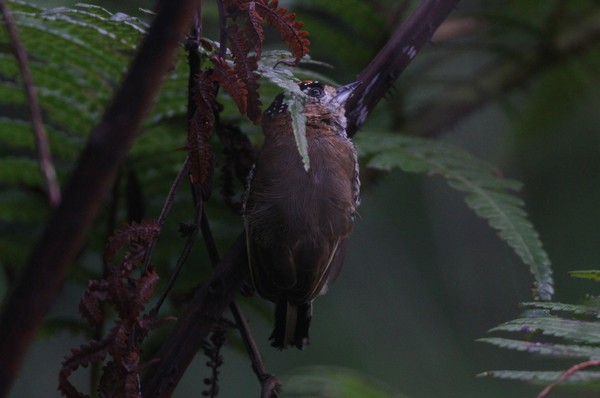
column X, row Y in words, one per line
column 568, row 373
column 164, row 213
column 66, row 231
column 41, row 137
column 185, row 252
column 222, row 29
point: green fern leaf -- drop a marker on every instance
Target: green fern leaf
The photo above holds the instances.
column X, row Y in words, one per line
column 568, row 329
column 487, row 193
column 577, row 311
column 586, row 274
column 19, row 170
column 550, row 349
column 296, row 108
column 542, row 377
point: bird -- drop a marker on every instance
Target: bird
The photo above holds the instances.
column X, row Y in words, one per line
column 297, row 220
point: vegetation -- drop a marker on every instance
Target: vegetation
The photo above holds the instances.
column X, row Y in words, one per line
column 136, row 267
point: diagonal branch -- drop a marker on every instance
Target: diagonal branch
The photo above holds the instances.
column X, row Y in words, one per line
column 41, row 138
column 107, row 147
column 394, row 57
column 203, row 312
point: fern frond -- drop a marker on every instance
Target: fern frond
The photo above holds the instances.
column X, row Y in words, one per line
column 143, row 232
column 577, row 311
column 288, row 29
column 541, row 377
column 93, row 351
column 586, row 274
column 488, row 194
column 543, row 348
column 296, row 107
column 231, row 83
column 568, row 329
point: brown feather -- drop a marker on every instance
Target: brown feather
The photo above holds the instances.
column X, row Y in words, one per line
column 297, row 221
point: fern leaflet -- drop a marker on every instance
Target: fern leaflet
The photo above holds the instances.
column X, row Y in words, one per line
column 488, row 194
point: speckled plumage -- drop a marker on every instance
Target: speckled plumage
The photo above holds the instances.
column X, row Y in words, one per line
column 297, row 221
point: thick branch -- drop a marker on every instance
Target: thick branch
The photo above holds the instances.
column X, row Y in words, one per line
column 394, row 57
column 108, row 145
column 205, row 309
column 41, row 138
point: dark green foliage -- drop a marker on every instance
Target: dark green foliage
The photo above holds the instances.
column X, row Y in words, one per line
column 555, row 330
column 78, row 56
column 488, row 193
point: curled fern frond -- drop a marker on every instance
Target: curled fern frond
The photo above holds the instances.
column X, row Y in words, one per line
column 231, row 83
column 488, row 193
column 286, row 26
column 143, row 232
column 246, row 69
column 86, row 354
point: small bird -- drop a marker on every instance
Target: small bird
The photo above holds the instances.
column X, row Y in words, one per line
column 297, row 221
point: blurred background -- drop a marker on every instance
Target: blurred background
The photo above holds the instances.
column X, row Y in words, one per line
column 515, row 83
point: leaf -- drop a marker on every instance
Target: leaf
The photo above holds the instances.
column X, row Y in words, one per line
column 231, row 83
column 143, row 232
column 296, row 107
column 289, row 30
column 568, row 329
column 577, row 311
column 586, row 274
column 542, row 348
column 488, row 194
column 541, row 376
column 246, row 69
column 92, row 352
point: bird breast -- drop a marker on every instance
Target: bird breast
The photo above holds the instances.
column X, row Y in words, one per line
column 286, row 201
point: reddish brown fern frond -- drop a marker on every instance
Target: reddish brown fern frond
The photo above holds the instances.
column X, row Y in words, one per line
column 253, row 29
column 89, row 306
column 289, row 30
column 245, row 68
column 129, row 295
column 86, row 354
column 200, row 127
column 233, row 84
column 145, row 289
column 143, row 232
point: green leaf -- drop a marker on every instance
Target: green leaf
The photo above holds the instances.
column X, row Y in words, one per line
column 586, row 274
column 541, row 376
column 296, row 108
column 20, row 170
column 568, row 329
column 565, row 310
column 333, row 382
column 488, row 194
column 551, row 349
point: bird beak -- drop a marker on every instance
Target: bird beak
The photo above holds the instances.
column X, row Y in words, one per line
column 343, row 93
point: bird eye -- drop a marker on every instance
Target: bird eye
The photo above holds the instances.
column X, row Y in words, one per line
column 316, row 92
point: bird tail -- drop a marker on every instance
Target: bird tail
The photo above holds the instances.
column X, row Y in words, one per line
column 292, row 322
